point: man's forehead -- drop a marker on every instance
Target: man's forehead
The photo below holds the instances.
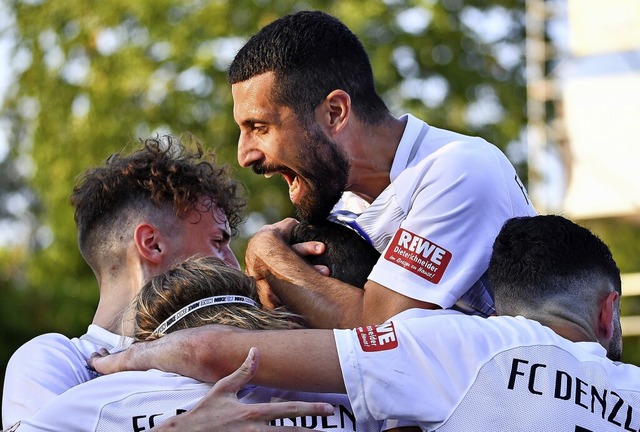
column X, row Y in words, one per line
column 251, row 99
column 254, row 86
column 209, row 205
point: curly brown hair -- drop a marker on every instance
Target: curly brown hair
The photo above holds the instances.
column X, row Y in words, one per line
column 162, row 179
column 195, row 279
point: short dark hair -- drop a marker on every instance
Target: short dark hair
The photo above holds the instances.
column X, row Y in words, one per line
column 545, row 257
column 349, row 257
column 163, row 177
column 311, row 54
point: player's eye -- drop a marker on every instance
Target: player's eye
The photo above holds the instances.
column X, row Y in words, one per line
column 260, row 128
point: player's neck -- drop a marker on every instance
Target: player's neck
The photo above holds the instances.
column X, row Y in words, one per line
column 371, row 156
column 572, row 332
column 111, row 317
column 114, row 312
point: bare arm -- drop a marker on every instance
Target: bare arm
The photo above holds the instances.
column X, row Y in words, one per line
column 221, row 410
column 325, row 302
column 305, row 360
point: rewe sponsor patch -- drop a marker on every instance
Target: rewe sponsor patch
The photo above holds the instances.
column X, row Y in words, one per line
column 418, row 255
column 378, row 337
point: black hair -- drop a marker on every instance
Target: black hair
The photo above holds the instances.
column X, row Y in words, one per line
column 541, row 257
column 349, row 257
column 311, row 54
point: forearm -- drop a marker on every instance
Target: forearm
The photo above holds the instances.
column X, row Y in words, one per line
column 325, row 302
column 305, row 360
column 329, row 303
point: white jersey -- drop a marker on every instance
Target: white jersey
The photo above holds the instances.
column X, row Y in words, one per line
column 454, row 373
column 436, row 222
column 137, row 401
column 48, row 365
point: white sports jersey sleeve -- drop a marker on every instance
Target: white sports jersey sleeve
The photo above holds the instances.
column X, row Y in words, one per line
column 137, row 401
column 46, row 366
column 436, row 222
column 453, row 373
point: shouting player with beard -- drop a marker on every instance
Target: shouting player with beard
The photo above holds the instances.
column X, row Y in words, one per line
column 431, row 201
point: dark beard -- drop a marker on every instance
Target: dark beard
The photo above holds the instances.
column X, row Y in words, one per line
column 325, row 170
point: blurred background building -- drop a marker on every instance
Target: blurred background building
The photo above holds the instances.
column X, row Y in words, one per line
column 583, row 74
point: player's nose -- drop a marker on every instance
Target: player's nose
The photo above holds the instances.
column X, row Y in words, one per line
column 248, row 152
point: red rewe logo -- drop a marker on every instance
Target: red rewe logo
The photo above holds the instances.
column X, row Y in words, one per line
column 418, row 255
column 377, row 338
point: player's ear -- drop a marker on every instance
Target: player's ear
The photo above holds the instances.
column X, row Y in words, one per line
column 334, row 111
column 149, row 242
column 606, row 316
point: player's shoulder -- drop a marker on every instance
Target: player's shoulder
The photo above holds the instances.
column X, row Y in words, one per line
column 46, row 342
column 52, row 338
column 625, row 377
column 45, row 348
column 470, row 154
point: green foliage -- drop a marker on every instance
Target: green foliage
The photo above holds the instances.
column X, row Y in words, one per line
column 623, row 237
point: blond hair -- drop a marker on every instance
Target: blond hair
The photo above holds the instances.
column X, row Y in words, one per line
column 195, row 279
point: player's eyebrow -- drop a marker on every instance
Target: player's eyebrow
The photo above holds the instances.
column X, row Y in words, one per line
column 224, row 232
column 248, row 122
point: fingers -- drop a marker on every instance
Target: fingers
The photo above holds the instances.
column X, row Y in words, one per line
column 221, row 410
column 323, row 270
column 310, row 248
column 268, row 298
column 276, row 410
column 241, row 376
column 281, row 228
column 270, row 240
column 229, row 386
column 286, row 225
column 105, row 363
column 268, row 412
